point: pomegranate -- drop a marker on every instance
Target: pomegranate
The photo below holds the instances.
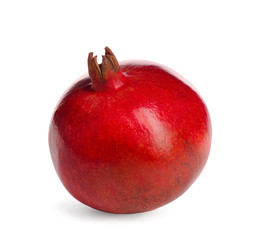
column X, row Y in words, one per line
column 129, row 137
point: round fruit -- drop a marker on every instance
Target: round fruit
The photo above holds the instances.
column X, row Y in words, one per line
column 129, row 137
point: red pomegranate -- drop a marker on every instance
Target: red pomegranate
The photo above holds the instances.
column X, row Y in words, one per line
column 129, row 137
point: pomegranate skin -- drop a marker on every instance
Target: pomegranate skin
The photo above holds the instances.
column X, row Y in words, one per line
column 133, row 147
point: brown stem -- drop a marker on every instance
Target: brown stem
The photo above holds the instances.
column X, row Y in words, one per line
column 101, row 73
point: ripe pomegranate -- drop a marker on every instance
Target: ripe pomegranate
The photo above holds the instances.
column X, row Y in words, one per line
column 129, row 137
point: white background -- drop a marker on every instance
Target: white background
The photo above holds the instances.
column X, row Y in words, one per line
column 216, row 45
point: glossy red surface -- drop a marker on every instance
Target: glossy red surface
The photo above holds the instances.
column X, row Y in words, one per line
column 133, row 147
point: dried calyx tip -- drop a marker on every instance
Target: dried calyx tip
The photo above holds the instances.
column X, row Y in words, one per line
column 100, row 73
column 109, row 51
column 109, row 62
